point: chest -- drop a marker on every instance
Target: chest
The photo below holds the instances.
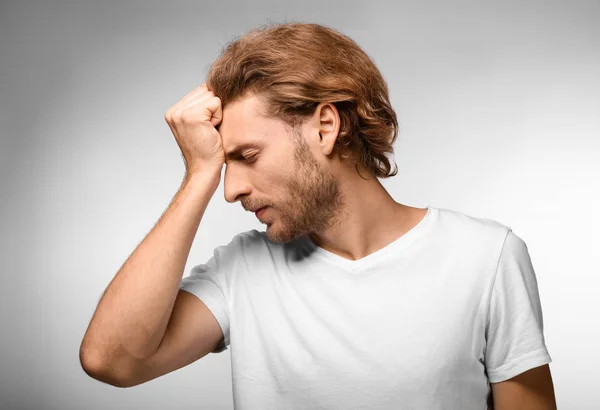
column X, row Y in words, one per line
column 339, row 337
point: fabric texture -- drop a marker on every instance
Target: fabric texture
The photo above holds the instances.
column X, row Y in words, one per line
column 426, row 322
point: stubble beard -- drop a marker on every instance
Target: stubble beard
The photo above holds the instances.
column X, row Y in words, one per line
column 315, row 199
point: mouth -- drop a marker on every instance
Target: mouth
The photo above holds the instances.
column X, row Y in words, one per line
column 260, row 211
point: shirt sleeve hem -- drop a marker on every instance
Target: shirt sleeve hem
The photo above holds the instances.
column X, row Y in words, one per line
column 519, row 365
column 218, row 313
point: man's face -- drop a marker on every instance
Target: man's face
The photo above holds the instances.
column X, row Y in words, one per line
column 279, row 170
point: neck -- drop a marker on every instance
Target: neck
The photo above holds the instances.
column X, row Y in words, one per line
column 369, row 219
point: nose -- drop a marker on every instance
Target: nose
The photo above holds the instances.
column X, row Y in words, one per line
column 236, row 184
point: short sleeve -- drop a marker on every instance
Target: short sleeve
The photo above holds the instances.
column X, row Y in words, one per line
column 514, row 330
column 210, row 282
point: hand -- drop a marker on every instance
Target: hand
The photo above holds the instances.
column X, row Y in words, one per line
column 193, row 120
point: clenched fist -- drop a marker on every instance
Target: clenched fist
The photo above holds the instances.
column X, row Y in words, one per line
column 193, row 120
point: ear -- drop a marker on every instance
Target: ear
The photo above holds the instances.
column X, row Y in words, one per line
column 328, row 125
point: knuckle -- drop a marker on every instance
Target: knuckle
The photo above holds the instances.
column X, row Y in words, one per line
column 177, row 116
column 184, row 118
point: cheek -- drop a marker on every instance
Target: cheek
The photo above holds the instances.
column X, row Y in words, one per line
column 279, row 180
column 270, row 182
column 281, row 161
column 285, row 191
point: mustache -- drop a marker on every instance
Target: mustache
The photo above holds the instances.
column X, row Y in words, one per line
column 254, row 208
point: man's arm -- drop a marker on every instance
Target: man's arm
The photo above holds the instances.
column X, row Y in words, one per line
column 134, row 310
column 530, row 390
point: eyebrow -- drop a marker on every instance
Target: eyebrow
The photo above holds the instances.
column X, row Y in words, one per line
column 236, row 151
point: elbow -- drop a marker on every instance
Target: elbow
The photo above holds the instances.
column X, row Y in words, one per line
column 96, row 367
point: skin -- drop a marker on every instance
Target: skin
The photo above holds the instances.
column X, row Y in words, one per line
column 308, row 189
column 530, row 390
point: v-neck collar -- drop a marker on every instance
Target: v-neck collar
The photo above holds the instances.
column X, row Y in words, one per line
column 397, row 245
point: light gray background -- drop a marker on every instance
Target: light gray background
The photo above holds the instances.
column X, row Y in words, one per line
column 499, row 110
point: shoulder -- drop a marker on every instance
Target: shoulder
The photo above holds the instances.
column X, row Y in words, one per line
column 469, row 221
column 242, row 242
column 467, row 234
column 249, row 243
column 468, row 225
column 256, row 247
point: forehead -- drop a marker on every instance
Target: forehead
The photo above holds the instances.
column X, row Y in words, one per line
column 245, row 125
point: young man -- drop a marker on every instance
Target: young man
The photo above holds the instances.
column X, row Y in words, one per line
column 349, row 299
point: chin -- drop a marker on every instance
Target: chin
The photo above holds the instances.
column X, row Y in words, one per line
column 277, row 236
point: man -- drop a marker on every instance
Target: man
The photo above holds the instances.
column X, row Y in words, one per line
column 349, row 299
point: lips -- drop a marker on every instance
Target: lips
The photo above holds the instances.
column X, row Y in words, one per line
column 260, row 211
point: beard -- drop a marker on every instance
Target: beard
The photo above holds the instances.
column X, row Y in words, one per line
column 314, row 201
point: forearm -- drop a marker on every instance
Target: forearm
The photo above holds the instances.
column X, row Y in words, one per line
column 134, row 310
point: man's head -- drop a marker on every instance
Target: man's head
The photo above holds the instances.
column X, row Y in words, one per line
column 312, row 103
column 290, row 170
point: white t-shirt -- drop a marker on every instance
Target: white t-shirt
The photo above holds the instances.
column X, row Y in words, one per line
column 427, row 322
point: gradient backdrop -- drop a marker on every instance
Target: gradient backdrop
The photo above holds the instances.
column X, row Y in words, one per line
column 499, row 111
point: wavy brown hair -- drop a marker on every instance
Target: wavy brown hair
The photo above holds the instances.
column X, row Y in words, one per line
column 295, row 66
